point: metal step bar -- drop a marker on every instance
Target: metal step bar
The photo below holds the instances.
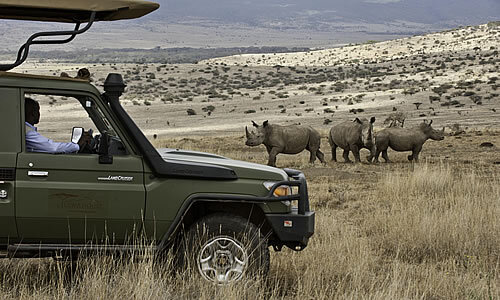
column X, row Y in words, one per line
column 49, row 250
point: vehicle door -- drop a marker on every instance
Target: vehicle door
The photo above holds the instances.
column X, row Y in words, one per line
column 10, row 145
column 73, row 197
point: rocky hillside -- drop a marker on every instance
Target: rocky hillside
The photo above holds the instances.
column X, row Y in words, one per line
column 475, row 38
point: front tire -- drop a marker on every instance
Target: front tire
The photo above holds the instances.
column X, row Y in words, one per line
column 224, row 248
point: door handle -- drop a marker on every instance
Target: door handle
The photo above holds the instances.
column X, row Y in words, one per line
column 38, row 173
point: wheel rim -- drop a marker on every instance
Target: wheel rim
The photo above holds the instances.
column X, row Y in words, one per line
column 222, row 260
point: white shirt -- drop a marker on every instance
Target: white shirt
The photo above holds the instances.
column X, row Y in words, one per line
column 35, row 142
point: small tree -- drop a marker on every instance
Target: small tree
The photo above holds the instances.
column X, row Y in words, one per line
column 396, row 119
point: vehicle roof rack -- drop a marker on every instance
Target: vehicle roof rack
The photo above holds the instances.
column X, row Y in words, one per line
column 22, row 54
column 69, row 11
column 75, row 11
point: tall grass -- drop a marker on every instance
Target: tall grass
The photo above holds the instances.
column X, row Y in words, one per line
column 428, row 232
column 434, row 214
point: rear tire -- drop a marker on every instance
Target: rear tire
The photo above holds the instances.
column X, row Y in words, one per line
column 224, row 248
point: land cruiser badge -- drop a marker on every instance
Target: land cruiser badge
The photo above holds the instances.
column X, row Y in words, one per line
column 116, row 178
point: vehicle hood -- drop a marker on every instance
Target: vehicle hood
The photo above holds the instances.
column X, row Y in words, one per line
column 243, row 169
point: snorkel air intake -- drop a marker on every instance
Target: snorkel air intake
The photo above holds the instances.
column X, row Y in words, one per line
column 114, row 88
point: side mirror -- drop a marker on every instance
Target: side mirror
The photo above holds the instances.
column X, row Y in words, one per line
column 76, row 134
column 103, row 151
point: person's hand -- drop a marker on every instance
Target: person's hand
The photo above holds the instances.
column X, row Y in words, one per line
column 84, row 139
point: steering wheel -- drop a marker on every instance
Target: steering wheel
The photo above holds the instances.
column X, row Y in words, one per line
column 92, row 146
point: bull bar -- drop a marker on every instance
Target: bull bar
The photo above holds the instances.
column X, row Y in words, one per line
column 295, row 228
column 302, row 196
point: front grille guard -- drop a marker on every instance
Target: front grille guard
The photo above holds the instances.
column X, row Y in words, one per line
column 302, row 196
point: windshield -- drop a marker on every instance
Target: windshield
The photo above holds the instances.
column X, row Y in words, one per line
column 97, row 116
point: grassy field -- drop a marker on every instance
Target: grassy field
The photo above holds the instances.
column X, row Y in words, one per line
column 388, row 231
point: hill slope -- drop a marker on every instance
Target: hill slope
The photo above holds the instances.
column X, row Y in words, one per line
column 473, row 38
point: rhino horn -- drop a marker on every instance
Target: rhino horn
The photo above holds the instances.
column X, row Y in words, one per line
column 430, row 123
column 255, row 124
column 246, row 131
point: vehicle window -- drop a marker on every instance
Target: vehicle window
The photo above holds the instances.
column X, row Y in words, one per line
column 58, row 115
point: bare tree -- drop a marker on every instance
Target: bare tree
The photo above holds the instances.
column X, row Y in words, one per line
column 396, row 119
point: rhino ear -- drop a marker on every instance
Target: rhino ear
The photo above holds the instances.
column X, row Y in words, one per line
column 430, row 123
column 357, row 120
column 372, row 120
column 266, row 122
column 254, row 124
column 246, row 132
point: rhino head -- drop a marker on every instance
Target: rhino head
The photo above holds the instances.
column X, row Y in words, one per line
column 255, row 138
column 437, row 135
column 367, row 137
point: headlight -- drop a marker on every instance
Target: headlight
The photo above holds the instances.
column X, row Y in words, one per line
column 280, row 191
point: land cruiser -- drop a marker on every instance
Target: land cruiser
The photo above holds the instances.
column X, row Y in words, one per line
column 227, row 213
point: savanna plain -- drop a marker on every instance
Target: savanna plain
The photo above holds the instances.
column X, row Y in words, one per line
column 402, row 230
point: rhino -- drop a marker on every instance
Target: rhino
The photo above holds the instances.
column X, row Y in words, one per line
column 404, row 139
column 352, row 136
column 291, row 139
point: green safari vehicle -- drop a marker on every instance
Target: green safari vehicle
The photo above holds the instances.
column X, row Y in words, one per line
column 218, row 215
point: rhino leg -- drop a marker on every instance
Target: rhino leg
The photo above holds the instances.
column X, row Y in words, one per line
column 415, row 153
column 346, row 156
column 376, row 155
column 334, row 152
column 268, row 148
column 355, row 151
column 312, row 156
column 272, row 156
column 384, row 155
column 320, row 156
column 370, row 157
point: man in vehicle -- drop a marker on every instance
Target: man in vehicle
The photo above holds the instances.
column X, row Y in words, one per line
column 35, row 142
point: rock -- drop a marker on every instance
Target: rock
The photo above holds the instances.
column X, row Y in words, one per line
column 487, row 144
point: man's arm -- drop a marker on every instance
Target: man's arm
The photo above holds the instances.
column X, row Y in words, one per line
column 36, row 142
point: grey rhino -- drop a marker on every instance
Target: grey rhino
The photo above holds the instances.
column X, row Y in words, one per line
column 352, row 136
column 403, row 139
column 290, row 139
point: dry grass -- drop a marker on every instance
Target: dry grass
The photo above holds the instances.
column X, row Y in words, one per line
column 397, row 231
